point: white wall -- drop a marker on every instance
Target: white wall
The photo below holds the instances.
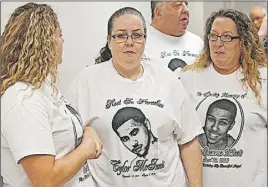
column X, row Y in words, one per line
column 84, row 26
column 247, row 6
column 84, row 31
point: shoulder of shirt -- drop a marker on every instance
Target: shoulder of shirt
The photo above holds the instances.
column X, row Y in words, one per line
column 195, row 37
column 94, row 70
column 19, row 93
column 20, row 90
column 163, row 76
column 190, row 74
column 158, row 69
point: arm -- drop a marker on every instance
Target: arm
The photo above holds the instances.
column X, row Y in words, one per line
column 45, row 170
column 192, row 162
column 187, row 132
column 29, row 135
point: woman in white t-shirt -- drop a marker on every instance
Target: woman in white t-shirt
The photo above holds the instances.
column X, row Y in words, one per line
column 141, row 112
column 228, row 84
column 43, row 142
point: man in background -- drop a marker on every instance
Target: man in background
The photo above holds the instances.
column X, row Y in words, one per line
column 168, row 37
column 256, row 15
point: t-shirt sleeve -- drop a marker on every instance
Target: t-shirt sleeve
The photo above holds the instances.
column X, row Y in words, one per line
column 260, row 132
column 78, row 95
column 27, row 130
column 189, row 125
column 188, row 83
column 72, row 94
column 260, row 178
column 262, row 111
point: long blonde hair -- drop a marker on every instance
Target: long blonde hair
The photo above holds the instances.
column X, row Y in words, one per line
column 253, row 54
column 28, row 47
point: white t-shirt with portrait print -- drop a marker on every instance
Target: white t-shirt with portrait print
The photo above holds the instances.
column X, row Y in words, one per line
column 140, row 124
column 36, row 123
column 171, row 51
column 234, row 143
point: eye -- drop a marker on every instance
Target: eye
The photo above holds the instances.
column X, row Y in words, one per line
column 121, row 36
column 223, row 123
column 134, row 132
column 177, row 5
column 213, row 36
column 210, row 119
column 124, row 138
column 137, row 35
column 226, row 37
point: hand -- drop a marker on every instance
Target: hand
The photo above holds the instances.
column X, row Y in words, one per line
column 92, row 143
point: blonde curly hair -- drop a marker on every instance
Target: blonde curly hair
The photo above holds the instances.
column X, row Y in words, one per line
column 28, row 47
column 253, row 57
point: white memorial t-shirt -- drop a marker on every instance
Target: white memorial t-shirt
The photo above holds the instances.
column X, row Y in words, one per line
column 38, row 124
column 140, row 124
column 171, row 51
column 234, row 143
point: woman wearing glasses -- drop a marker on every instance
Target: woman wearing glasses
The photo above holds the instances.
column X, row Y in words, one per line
column 228, row 83
column 141, row 112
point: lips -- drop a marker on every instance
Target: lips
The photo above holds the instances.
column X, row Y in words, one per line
column 137, row 148
column 184, row 20
column 219, row 52
column 129, row 52
column 213, row 136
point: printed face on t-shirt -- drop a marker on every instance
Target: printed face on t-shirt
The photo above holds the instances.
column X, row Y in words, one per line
column 218, row 123
column 134, row 136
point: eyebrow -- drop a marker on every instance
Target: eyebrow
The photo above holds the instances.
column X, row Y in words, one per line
column 134, row 130
column 221, row 118
column 223, row 32
column 126, row 30
column 186, row 2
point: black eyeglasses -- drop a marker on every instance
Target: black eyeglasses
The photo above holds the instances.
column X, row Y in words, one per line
column 136, row 37
column 224, row 38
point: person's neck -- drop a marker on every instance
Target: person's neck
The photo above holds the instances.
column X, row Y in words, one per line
column 226, row 71
column 132, row 74
column 158, row 26
column 221, row 144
